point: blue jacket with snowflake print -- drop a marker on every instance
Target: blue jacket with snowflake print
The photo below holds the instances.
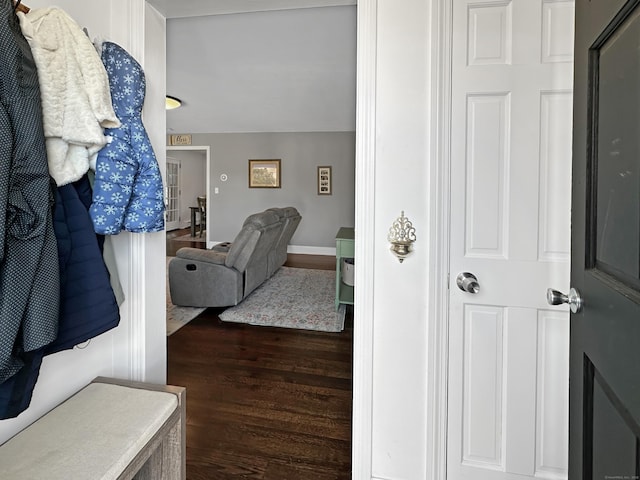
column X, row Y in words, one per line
column 128, row 191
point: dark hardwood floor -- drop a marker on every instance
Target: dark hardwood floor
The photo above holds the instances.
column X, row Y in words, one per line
column 265, row 403
column 173, row 245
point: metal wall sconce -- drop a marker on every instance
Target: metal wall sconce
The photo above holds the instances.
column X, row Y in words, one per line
column 402, row 234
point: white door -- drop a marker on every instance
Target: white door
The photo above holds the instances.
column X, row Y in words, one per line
column 510, row 227
column 172, row 195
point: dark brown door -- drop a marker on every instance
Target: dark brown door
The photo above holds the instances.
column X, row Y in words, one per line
column 604, row 394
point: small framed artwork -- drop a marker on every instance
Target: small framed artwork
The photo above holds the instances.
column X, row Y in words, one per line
column 264, row 173
column 324, row 180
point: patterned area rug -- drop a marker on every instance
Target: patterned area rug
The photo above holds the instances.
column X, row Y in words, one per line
column 178, row 317
column 292, row 298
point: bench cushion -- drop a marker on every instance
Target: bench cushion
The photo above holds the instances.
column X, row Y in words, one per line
column 95, row 434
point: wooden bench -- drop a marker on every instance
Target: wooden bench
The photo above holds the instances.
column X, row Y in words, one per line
column 111, row 429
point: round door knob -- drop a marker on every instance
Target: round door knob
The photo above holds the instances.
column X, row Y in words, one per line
column 554, row 297
column 467, row 282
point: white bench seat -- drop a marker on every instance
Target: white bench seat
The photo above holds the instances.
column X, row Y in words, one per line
column 108, row 430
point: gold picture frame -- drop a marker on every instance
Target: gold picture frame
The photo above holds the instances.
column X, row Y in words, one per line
column 264, row 173
column 324, row 180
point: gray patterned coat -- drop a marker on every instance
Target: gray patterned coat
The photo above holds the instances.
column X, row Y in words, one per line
column 29, row 272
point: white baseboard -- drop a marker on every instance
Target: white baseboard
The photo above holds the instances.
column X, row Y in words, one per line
column 311, row 250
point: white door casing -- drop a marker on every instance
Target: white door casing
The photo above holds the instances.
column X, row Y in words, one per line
column 511, row 116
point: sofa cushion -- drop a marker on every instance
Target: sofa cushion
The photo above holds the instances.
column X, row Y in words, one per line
column 262, row 219
column 290, row 220
column 201, row 255
column 242, row 248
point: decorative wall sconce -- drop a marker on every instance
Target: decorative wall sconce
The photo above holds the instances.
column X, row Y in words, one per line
column 401, row 235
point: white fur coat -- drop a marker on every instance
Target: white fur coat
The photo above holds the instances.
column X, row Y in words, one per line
column 76, row 102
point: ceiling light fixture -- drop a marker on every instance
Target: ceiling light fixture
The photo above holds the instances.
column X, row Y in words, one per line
column 172, row 102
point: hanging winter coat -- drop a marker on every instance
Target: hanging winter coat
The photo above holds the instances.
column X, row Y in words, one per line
column 128, row 191
column 88, row 305
column 76, row 100
column 29, row 273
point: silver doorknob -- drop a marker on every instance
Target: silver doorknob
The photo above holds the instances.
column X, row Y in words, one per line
column 467, row 282
column 554, row 297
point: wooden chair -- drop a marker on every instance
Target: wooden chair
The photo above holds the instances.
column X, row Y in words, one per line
column 202, row 205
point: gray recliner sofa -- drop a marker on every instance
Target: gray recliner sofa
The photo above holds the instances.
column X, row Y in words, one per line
column 225, row 275
column 290, row 219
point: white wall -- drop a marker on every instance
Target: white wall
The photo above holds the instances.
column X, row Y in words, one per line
column 395, row 171
column 401, row 289
column 137, row 348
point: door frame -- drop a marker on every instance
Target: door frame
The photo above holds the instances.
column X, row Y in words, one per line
column 438, row 340
column 207, row 152
column 362, row 409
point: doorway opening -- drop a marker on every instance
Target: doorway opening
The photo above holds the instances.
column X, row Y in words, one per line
column 188, row 170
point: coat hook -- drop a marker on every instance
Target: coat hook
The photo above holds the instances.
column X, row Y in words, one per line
column 402, row 234
column 20, row 7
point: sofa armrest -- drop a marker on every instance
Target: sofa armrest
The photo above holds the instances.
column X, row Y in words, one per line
column 201, row 255
column 194, row 283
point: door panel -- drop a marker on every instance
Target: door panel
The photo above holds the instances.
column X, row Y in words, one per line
column 482, row 405
column 553, row 395
column 510, row 226
column 616, row 215
column 604, row 394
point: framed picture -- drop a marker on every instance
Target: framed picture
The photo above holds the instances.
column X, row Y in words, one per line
column 324, row 180
column 264, row 173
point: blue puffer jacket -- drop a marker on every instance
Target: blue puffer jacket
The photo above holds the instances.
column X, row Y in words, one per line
column 128, row 186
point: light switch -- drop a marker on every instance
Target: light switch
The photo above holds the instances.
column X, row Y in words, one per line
column 216, row 190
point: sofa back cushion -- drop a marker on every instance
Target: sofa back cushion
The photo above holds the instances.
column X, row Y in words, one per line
column 244, row 246
column 290, row 220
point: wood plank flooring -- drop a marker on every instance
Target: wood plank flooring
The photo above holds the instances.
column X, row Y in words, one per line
column 173, row 246
column 265, row 403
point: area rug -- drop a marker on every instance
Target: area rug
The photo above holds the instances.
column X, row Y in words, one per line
column 178, row 317
column 293, row 298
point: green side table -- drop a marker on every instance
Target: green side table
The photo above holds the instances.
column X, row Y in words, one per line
column 344, row 249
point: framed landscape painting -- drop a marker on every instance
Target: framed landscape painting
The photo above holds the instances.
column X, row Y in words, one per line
column 264, row 173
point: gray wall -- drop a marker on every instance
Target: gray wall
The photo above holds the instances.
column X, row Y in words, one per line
column 301, row 154
column 278, row 71
column 288, row 71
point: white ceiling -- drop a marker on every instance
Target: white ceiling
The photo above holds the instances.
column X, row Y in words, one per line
column 197, row 8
